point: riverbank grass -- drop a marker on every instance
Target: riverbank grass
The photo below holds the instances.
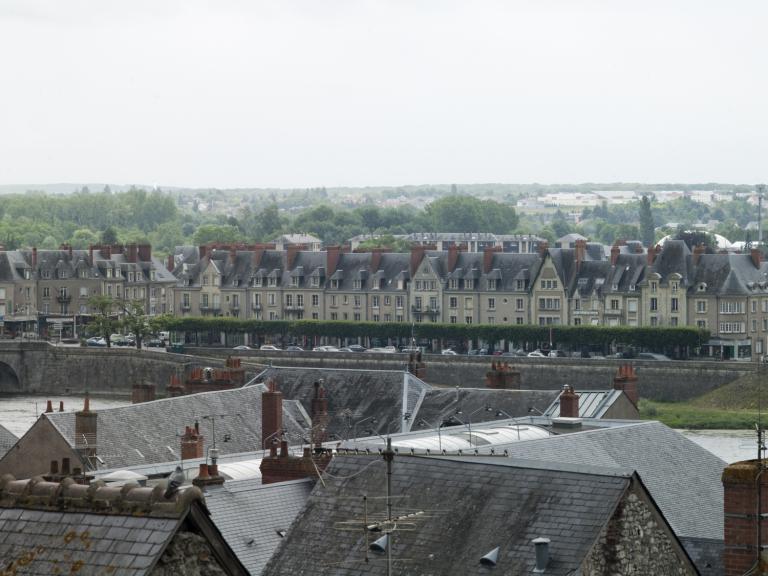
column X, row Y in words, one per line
column 691, row 416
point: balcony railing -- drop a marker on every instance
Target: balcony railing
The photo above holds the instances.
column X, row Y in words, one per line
column 63, row 298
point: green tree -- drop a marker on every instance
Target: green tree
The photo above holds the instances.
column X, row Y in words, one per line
column 647, row 227
column 387, row 241
column 135, row 321
column 216, row 233
column 109, row 236
column 104, row 321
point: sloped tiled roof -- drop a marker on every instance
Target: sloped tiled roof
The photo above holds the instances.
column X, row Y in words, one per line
column 7, row 440
column 250, row 515
column 147, row 433
column 471, row 509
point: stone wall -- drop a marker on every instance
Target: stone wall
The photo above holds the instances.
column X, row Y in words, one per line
column 636, row 541
column 665, row 381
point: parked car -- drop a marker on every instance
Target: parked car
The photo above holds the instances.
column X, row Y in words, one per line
column 652, row 356
column 96, row 341
column 409, row 349
column 242, row 347
column 449, row 352
column 383, row 350
column 325, row 349
column 356, row 348
column 270, row 348
column 478, row 352
column 536, row 354
column 155, row 343
column 557, row 354
column 293, row 348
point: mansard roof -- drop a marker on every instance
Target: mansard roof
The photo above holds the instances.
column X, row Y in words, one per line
column 674, row 258
column 730, row 275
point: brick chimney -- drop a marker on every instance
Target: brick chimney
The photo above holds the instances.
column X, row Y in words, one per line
column 169, row 264
column 207, row 475
column 271, row 414
column 417, row 255
column 283, row 467
column 290, row 254
column 745, row 492
column 49, row 407
column 332, row 255
column 133, row 252
column 34, row 256
column 85, row 432
column 90, row 254
column 626, row 381
column 543, row 248
column 569, row 402
column 488, row 258
column 416, row 365
column 615, row 251
column 453, row 257
column 376, row 259
column 202, row 251
column 192, row 443
column 698, row 250
column 174, row 387
column 579, row 252
column 653, row 251
column 757, row 257
column 502, row 377
column 319, row 413
column 142, row 393
column 145, row 252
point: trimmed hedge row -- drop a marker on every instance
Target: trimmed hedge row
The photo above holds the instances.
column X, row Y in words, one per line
column 574, row 336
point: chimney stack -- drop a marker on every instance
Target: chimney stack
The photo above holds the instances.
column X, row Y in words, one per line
column 61, row 405
column 502, row 377
column 34, row 256
column 453, row 257
column 417, row 255
column 488, row 258
column 375, row 259
column 271, row 414
column 543, row 248
column 332, row 255
column 203, row 251
column 569, row 403
column 757, row 257
column 615, row 251
column 142, row 393
column 290, row 255
column 626, row 381
column 170, row 263
column 653, row 251
column 698, row 250
column 90, row 254
column 192, row 443
column 65, row 467
column 85, row 432
column 320, row 416
column 49, row 407
column 132, row 253
column 580, row 252
column 745, row 501
column 145, row 252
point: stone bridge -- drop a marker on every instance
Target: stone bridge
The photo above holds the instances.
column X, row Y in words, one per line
column 42, row 368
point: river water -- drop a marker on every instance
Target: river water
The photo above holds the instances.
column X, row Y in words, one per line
column 18, row 413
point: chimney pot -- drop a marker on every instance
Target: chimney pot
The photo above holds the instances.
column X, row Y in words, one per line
column 61, row 405
column 283, row 448
column 65, row 466
column 49, row 407
column 54, row 467
column 541, row 546
column 203, row 471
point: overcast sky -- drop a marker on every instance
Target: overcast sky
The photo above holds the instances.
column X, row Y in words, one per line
column 356, row 92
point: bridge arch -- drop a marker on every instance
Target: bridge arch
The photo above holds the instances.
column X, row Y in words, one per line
column 9, row 380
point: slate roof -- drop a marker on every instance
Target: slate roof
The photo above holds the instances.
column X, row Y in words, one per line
column 470, row 508
column 682, row 477
column 440, row 403
column 146, row 433
column 249, row 515
column 49, row 528
column 730, row 275
column 7, row 440
column 352, row 395
column 592, row 403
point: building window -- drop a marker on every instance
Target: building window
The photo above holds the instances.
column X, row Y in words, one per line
column 675, row 303
column 754, row 324
column 333, row 300
column 271, row 298
column 453, row 284
column 469, row 284
column 491, row 303
column 375, row 317
column 674, row 286
column 654, row 321
column 47, row 292
column 374, row 301
column 731, row 307
column 673, row 321
column 632, row 306
column 387, row 300
column 614, row 304
column 453, row 302
column 468, row 305
column 315, row 300
column 519, row 304
column 315, row 316
column 289, row 299
column 702, row 324
column 491, row 320
column 519, row 320
column 300, row 300
column 387, row 317
column 577, row 321
column 701, row 306
column 356, row 301
column 754, row 306
column 654, row 286
column 357, row 284
column 654, row 304
column 492, row 284
column 398, row 302
column 357, row 317
column 334, row 315
column 452, row 319
column 468, row 319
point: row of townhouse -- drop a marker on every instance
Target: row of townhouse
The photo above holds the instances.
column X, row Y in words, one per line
column 43, row 289
column 664, row 286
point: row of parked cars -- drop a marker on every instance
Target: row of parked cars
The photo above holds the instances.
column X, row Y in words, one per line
column 350, row 348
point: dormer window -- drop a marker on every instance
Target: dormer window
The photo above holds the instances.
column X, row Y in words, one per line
column 272, row 282
column 315, row 282
column 614, row 286
column 453, row 284
column 152, row 275
column 257, row 282
column 674, row 286
column 295, row 281
column 26, row 274
column 357, row 284
column 492, row 284
column 46, row 274
column 469, row 284
column 335, row 283
column 205, row 280
column 520, row 284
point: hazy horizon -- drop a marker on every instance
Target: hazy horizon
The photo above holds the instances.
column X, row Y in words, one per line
column 367, row 93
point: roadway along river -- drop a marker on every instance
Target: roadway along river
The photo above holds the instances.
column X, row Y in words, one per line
column 18, row 413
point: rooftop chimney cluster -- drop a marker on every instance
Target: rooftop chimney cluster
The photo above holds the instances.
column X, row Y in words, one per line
column 502, row 376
